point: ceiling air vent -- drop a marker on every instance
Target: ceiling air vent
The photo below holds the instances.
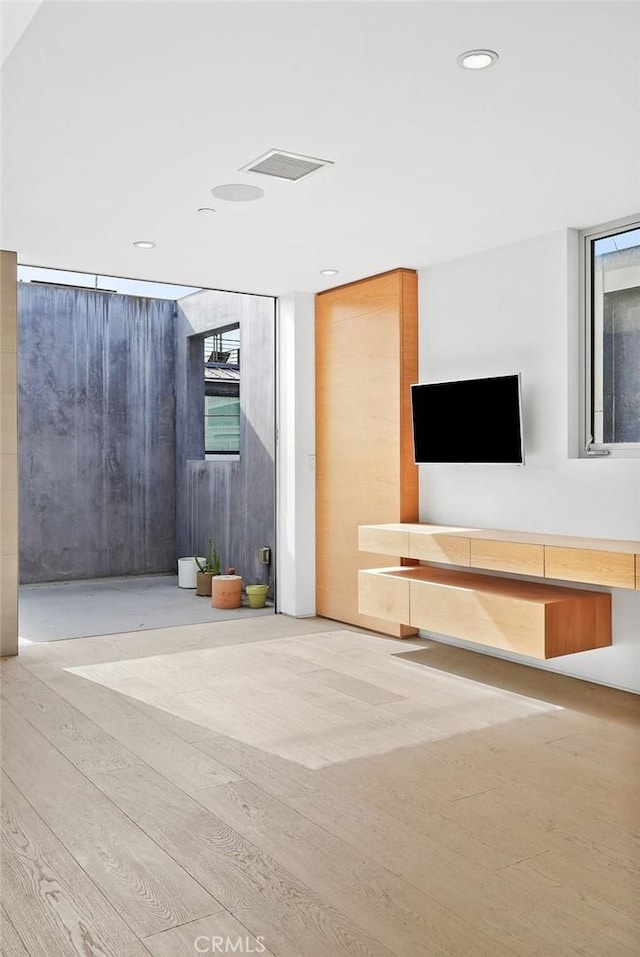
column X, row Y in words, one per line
column 291, row 166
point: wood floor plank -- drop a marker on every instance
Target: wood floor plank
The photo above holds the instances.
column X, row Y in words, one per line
column 221, row 931
column 67, row 729
column 612, row 904
column 10, row 943
column 143, row 736
column 594, row 746
column 595, row 798
column 303, row 726
column 438, row 838
column 140, row 879
column 350, row 709
column 572, row 697
column 414, row 796
column 479, row 895
column 267, row 715
column 410, row 775
column 354, row 687
column 250, row 885
column 586, row 916
column 400, row 916
column 609, row 840
column 152, row 702
column 146, row 696
column 573, row 864
column 361, row 796
column 385, row 667
column 58, row 910
column 104, row 648
column 148, row 644
column 272, row 704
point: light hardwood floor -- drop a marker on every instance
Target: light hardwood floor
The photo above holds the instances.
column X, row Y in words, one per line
column 302, row 789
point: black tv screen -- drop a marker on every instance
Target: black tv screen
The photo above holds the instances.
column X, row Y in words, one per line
column 471, row 420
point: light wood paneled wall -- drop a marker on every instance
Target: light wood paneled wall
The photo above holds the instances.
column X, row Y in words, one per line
column 8, row 455
column 366, row 359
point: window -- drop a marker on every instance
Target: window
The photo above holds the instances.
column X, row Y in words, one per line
column 222, row 392
column 147, row 289
column 612, row 338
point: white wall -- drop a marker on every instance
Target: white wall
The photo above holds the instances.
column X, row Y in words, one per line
column 295, row 456
column 513, row 309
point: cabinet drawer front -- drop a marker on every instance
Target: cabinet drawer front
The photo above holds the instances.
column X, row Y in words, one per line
column 450, row 549
column 383, row 541
column 616, row 569
column 494, row 620
column 383, row 596
column 518, row 557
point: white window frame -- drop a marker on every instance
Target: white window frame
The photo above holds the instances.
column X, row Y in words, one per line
column 591, row 448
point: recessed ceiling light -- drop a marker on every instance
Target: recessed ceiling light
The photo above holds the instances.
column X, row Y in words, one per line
column 328, row 272
column 144, row 244
column 237, row 192
column 206, row 209
column 477, row 59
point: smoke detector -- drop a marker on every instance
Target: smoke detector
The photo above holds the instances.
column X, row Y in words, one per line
column 290, row 166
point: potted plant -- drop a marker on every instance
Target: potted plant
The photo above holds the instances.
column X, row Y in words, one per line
column 206, row 570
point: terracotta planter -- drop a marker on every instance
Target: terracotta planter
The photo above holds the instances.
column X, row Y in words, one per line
column 226, row 591
column 203, row 584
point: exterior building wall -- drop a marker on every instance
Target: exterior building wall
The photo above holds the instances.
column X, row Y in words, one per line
column 232, row 499
column 97, row 434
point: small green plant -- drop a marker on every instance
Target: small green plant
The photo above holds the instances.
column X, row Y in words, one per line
column 211, row 564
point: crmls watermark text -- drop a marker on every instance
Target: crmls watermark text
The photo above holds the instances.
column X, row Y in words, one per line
column 229, row 945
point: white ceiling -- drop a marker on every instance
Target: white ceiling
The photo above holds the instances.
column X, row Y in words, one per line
column 14, row 20
column 119, row 118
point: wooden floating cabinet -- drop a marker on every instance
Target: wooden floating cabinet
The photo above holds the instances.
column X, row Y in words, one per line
column 532, row 618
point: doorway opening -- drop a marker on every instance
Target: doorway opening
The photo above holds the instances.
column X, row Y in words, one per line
column 116, row 479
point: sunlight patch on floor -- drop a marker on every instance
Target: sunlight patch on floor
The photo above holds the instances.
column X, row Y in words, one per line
column 316, row 700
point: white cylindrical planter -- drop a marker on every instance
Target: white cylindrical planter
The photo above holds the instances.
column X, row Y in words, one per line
column 187, row 570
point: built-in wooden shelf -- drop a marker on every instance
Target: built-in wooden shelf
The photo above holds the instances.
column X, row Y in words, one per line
column 594, row 561
column 533, row 618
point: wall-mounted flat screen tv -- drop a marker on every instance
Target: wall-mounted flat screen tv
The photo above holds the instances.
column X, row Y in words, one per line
column 469, row 420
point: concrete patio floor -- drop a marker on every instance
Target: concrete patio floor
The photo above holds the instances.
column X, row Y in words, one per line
column 56, row 610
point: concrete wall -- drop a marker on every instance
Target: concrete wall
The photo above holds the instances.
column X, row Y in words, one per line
column 621, row 362
column 514, row 309
column 97, row 440
column 232, row 501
